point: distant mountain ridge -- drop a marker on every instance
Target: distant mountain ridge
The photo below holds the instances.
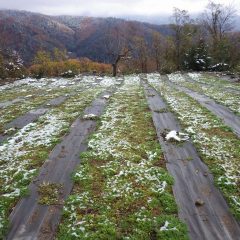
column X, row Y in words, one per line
column 28, row 32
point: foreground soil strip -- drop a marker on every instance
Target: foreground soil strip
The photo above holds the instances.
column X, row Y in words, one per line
column 229, row 118
column 201, row 204
column 33, row 218
column 122, row 189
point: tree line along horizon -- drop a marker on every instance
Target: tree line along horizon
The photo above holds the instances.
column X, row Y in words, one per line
column 205, row 44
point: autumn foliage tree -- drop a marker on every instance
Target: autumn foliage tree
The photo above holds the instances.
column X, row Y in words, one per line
column 57, row 64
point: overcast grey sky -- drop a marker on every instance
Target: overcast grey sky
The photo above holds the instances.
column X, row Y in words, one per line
column 106, row 8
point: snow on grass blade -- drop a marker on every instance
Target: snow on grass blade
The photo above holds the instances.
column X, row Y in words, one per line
column 122, row 190
column 229, row 99
column 23, row 154
column 22, row 88
column 18, row 159
column 216, row 143
column 37, row 96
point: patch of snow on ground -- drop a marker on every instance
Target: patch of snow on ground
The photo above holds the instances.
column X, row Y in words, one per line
column 176, row 78
column 30, row 136
column 108, row 82
column 195, row 76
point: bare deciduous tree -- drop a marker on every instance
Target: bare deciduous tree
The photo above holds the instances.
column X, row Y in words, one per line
column 141, row 48
column 181, row 20
column 218, row 19
column 157, row 48
column 118, row 44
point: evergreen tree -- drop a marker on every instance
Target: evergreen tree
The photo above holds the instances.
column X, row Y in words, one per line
column 197, row 58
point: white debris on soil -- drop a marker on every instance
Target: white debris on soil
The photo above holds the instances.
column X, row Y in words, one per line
column 173, row 135
column 178, row 136
column 195, row 76
column 90, row 116
column 165, row 227
column 32, row 134
column 25, row 82
column 176, row 78
column 108, row 82
column 106, row 96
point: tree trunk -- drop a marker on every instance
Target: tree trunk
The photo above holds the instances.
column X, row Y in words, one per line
column 157, row 64
column 114, row 67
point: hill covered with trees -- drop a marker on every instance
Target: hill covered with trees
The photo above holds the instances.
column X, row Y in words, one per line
column 28, row 32
column 207, row 43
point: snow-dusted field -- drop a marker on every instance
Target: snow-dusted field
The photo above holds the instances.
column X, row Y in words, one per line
column 216, row 143
column 22, row 155
column 218, row 91
column 122, row 189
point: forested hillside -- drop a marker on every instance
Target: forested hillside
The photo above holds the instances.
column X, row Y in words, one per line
column 211, row 42
column 28, row 32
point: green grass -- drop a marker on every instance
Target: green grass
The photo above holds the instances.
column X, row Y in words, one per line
column 221, row 96
column 49, row 193
column 21, row 160
column 217, row 145
column 122, row 189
